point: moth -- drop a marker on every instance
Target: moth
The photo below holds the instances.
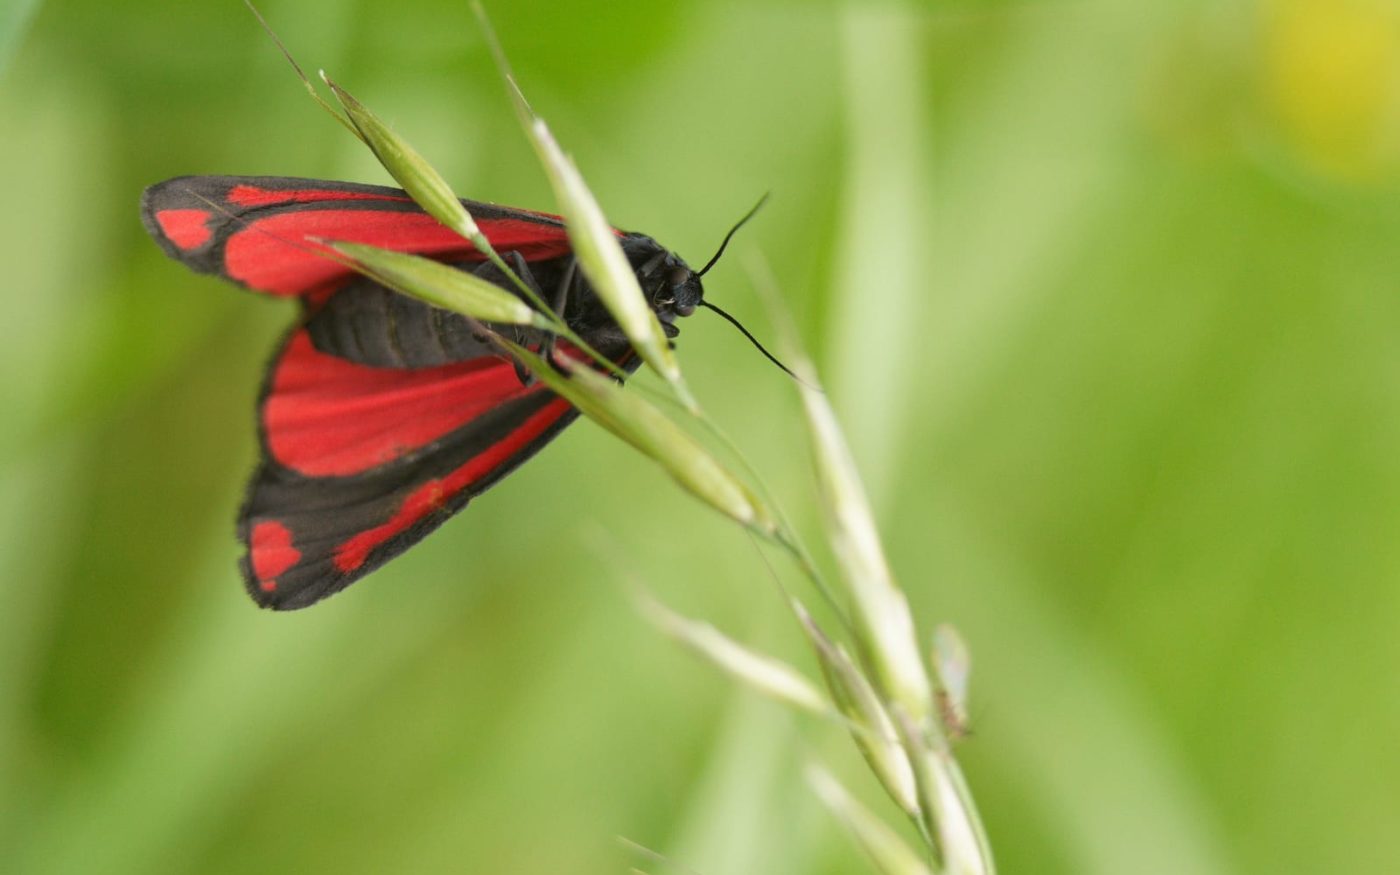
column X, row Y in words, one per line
column 381, row 416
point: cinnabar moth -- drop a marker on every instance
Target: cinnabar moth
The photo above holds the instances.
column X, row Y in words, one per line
column 381, row 416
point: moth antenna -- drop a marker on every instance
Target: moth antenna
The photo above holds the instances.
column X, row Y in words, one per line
column 754, row 340
column 737, row 225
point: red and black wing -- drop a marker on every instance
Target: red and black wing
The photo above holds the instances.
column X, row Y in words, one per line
column 360, row 461
column 253, row 230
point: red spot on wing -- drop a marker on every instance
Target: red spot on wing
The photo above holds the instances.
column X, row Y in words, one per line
column 187, row 229
column 253, row 196
column 326, row 416
column 435, row 493
column 273, row 254
column 271, row 553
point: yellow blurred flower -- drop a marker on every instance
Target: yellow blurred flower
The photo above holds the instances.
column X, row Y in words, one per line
column 1330, row 76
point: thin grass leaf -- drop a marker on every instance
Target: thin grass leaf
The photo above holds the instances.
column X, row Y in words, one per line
column 871, row 728
column 594, row 242
column 947, row 813
column 646, row 428
column 431, row 192
column 945, row 801
column 440, row 285
column 667, row 864
column 423, row 183
column 766, row 674
column 301, row 74
column 600, row 255
column 881, row 610
column 890, row 854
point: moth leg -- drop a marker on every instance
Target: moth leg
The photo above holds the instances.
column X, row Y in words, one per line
column 558, row 304
column 523, row 374
column 522, row 270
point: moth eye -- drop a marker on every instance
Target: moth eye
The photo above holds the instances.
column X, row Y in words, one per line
column 677, row 276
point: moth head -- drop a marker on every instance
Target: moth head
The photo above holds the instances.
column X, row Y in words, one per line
column 681, row 289
column 671, row 287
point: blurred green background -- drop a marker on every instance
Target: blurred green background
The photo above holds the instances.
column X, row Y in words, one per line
column 1106, row 293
